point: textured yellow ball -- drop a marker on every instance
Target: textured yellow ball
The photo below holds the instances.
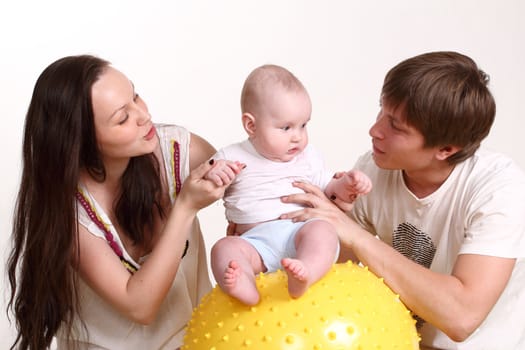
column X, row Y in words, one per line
column 349, row 308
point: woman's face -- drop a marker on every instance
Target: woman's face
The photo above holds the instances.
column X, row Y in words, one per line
column 123, row 124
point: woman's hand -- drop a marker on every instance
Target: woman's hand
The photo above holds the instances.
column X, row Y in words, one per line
column 198, row 192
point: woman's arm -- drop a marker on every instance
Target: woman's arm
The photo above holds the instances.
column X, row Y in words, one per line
column 456, row 303
column 200, row 151
column 139, row 296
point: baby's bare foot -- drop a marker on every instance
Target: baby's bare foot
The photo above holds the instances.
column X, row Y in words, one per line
column 240, row 284
column 297, row 276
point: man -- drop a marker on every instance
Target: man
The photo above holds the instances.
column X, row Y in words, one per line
column 450, row 217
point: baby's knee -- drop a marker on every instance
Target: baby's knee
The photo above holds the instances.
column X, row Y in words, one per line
column 229, row 244
column 320, row 227
column 223, row 243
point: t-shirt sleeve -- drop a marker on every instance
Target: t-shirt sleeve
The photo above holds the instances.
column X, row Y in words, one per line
column 496, row 222
column 219, row 154
column 230, row 152
column 321, row 175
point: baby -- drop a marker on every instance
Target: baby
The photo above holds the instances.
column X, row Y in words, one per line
column 276, row 109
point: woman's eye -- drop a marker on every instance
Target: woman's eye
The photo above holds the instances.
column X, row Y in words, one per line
column 124, row 119
column 136, row 97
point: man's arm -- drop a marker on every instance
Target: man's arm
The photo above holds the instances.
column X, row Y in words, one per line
column 456, row 304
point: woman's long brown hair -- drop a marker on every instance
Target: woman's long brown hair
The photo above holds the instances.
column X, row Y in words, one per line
column 59, row 140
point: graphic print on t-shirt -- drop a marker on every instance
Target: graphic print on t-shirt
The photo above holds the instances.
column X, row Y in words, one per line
column 415, row 245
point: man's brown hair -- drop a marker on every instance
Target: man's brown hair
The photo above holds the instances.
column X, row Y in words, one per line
column 444, row 96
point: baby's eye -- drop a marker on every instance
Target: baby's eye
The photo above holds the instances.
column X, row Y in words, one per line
column 285, row 128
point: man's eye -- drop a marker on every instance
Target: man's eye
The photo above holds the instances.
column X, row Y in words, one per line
column 393, row 125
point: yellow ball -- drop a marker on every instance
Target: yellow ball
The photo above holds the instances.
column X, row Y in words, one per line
column 349, row 308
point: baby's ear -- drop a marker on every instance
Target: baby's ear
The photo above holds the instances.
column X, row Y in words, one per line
column 248, row 122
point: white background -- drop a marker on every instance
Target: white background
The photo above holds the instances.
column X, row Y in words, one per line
column 188, row 60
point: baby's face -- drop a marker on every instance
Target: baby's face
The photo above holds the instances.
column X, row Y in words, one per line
column 280, row 127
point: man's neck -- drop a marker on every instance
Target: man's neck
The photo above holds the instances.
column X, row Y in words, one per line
column 424, row 183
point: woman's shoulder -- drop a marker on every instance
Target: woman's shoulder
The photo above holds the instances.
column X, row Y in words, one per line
column 200, row 150
column 172, row 131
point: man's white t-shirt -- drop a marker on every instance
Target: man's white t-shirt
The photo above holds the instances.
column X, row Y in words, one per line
column 480, row 209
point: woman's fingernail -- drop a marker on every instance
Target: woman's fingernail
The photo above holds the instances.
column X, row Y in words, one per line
column 332, row 197
column 211, row 161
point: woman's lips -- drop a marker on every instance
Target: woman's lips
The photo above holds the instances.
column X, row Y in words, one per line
column 150, row 134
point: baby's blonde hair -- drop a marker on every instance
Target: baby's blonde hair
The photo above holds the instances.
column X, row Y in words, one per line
column 263, row 78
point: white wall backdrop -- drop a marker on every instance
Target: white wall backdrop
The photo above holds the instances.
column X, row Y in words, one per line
column 188, row 60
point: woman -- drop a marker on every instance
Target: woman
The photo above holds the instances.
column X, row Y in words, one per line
column 108, row 252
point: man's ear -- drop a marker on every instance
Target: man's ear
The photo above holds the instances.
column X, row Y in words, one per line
column 248, row 122
column 446, row 151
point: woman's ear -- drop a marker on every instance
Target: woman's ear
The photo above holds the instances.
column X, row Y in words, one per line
column 248, row 122
column 447, row 151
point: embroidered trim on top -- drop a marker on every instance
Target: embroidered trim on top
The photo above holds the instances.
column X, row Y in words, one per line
column 90, row 210
column 176, row 166
column 86, row 204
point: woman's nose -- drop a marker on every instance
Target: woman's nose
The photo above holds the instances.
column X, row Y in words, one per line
column 143, row 116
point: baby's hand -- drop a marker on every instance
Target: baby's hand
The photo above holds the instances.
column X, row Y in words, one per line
column 358, row 182
column 223, row 172
column 353, row 183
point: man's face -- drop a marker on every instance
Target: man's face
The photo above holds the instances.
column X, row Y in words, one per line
column 396, row 144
